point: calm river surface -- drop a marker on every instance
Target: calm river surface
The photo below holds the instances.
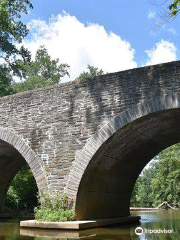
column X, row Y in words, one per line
column 169, row 220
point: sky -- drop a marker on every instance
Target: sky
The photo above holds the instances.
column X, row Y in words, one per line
column 112, row 35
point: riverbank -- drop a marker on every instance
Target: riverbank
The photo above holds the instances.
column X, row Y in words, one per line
column 142, row 209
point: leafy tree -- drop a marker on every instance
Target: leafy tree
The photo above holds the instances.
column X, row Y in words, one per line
column 142, row 195
column 12, row 32
column 41, row 72
column 5, row 81
column 160, row 182
column 91, row 73
column 22, row 194
column 166, row 185
column 174, row 8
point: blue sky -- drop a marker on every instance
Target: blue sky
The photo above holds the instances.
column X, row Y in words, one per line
column 111, row 34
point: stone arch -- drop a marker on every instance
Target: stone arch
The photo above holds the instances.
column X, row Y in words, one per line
column 161, row 105
column 10, row 141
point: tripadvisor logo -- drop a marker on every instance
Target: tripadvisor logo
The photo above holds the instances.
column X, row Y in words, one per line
column 139, row 231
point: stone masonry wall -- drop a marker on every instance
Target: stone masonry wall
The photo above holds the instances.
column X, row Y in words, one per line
column 56, row 121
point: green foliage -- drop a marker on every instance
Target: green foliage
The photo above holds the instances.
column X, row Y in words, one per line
column 91, row 73
column 41, row 72
column 54, row 208
column 167, row 183
column 12, row 32
column 60, row 215
column 5, row 81
column 22, row 194
column 174, row 8
column 160, row 182
column 142, row 193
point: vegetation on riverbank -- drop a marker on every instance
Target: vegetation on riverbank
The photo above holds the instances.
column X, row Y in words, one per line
column 55, row 208
column 22, row 194
column 160, row 182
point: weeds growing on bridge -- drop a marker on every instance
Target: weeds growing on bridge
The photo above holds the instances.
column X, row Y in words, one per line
column 54, row 208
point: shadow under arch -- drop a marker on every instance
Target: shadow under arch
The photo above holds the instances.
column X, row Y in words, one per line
column 14, row 153
column 105, row 170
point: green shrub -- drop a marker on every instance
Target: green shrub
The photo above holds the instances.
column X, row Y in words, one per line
column 54, row 208
column 60, row 215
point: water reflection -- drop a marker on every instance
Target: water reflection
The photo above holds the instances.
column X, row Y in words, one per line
column 55, row 234
column 10, row 230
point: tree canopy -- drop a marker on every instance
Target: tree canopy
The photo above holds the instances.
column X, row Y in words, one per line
column 41, row 72
column 22, row 194
column 12, row 32
column 91, row 72
column 174, row 8
column 5, row 81
column 160, row 182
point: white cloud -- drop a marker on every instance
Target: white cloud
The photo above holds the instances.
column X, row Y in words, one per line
column 172, row 30
column 152, row 15
column 163, row 51
column 78, row 44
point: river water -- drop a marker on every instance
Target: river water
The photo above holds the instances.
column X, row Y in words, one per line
column 150, row 220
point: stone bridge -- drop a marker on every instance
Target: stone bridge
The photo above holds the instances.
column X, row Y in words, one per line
column 91, row 138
